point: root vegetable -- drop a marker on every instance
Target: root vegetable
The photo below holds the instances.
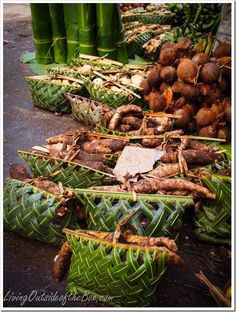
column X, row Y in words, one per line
column 200, row 146
column 205, row 117
column 200, row 58
column 124, row 128
column 19, row 172
column 194, row 157
column 165, row 170
column 62, row 262
column 210, row 72
column 46, row 185
column 168, row 74
column 133, row 121
column 94, row 148
column 120, row 111
column 106, row 117
column 108, row 188
column 168, row 56
column 155, row 101
column 151, row 142
column 187, row 71
column 224, row 133
column 151, row 186
column 88, row 157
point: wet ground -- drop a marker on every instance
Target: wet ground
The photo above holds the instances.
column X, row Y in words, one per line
column 28, row 263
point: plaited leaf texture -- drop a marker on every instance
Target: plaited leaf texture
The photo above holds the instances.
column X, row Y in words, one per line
column 49, row 95
column 135, row 46
column 68, row 173
column 31, row 212
column 214, row 221
column 149, row 18
column 123, row 275
column 156, row 215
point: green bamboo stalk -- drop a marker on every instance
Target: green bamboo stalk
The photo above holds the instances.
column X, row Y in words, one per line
column 106, row 32
column 87, row 28
column 41, row 26
column 121, row 48
column 72, row 29
column 58, row 33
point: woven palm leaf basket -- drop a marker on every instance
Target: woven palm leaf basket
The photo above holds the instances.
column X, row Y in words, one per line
column 149, row 18
column 69, row 173
column 154, row 215
column 107, row 92
column 213, row 222
column 116, row 270
column 31, row 211
column 95, row 61
column 48, row 91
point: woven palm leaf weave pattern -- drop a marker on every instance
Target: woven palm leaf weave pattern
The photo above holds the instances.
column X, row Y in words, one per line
column 135, row 45
column 31, row 212
column 49, row 95
column 113, row 98
column 127, row 275
column 149, row 18
column 86, row 110
column 214, row 222
column 68, row 173
column 163, row 214
column 97, row 62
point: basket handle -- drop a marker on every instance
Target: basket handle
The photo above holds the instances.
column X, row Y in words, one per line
column 119, row 228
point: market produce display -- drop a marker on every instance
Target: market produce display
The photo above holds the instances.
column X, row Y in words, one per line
column 118, row 230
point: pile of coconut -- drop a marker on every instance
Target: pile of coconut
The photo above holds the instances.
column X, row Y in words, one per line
column 195, row 86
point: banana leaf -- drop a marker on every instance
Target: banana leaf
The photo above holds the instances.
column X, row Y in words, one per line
column 58, row 33
column 72, row 29
column 31, row 212
column 162, row 214
column 42, row 34
column 121, row 48
column 106, row 31
column 214, row 221
column 87, row 28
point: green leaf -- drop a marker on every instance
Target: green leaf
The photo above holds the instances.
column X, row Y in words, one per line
column 27, row 57
column 39, row 69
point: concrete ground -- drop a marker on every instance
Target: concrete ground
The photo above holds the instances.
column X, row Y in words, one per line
column 28, row 263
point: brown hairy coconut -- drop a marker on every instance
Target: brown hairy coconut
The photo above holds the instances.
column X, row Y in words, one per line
column 205, row 116
column 167, row 56
column 185, row 114
column 155, row 101
column 224, row 133
column 185, row 89
column 210, row 72
column 168, row 44
column 163, row 87
column 223, row 49
column 201, row 58
column 154, row 79
column 223, row 84
column 168, row 74
column 187, row 70
column 146, row 89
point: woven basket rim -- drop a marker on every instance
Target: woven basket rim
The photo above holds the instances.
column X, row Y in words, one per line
column 82, row 98
column 103, row 241
column 128, row 195
column 48, row 79
column 61, row 160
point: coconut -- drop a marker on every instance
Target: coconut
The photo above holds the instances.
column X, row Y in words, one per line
column 168, row 44
column 146, row 89
column 167, row 56
column 185, row 114
column 154, row 79
column 223, row 84
column 164, row 86
column 210, row 72
column 224, row 133
column 187, row 70
column 209, row 131
column 156, row 101
column 205, row 117
column 185, row 89
column 223, row 49
column 201, row 58
column 168, row 74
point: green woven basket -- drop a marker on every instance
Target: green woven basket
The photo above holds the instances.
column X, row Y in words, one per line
column 103, row 94
column 95, row 61
column 119, row 274
column 71, row 71
column 68, row 173
column 31, row 212
column 214, row 221
column 50, row 95
column 149, row 18
column 135, row 45
column 161, row 214
column 86, row 110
